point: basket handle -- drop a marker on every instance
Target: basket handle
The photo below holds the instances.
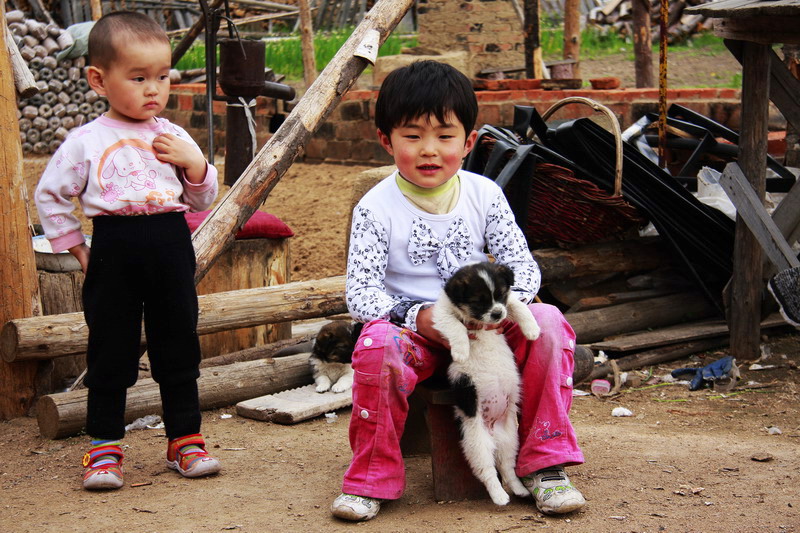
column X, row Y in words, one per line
column 614, row 127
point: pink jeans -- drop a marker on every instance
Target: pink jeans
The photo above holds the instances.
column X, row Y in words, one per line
column 389, row 361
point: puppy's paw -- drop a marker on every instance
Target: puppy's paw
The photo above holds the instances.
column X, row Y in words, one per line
column 530, row 328
column 518, row 488
column 340, row 387
column 323, row 388
column 459, row 355
column 500, row 497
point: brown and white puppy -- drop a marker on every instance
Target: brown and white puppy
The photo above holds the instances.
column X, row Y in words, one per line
column 332, row 354
column 484, row 366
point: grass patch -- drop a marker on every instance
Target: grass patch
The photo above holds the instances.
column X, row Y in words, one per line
column 285, row 55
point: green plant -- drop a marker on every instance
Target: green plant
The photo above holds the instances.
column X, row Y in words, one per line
column 284, row 55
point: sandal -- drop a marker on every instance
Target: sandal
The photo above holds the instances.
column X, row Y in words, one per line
column 107, row 476
column 195, row 462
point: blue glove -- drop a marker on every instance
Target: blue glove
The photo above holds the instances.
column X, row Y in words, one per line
column 710, row 373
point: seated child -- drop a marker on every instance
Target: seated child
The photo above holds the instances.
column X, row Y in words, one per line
column 409, row 234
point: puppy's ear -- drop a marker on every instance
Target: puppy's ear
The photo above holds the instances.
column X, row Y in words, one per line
column 506, row 274
column 458, row 286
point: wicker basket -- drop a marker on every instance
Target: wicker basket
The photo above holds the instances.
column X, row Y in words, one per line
column 565, row 209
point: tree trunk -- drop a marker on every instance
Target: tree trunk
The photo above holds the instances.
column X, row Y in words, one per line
column 64, row 414
column 19, row 290
column 533, row 47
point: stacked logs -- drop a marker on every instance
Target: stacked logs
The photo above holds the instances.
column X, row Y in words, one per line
column 617, row 16
column 65, row 100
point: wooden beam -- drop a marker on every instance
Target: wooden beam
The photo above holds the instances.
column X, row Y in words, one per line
column 759, row 29
column 67, row 334
column 277, row 155
column 19, row 289
column 64, row 414
column 307, row 42
column 746, row 282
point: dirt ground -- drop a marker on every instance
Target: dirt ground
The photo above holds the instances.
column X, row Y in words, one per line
column 684, row 461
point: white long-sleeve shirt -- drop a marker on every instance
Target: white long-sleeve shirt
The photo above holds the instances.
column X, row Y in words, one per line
column 112, row 168
column 400, row 256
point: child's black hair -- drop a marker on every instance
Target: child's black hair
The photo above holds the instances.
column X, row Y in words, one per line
column 425, row 88
column 121, row 28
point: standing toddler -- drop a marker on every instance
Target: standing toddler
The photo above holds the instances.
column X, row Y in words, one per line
column 135, row 175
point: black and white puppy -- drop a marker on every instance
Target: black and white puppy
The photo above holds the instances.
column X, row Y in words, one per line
column 484, row 365
column 332, row 354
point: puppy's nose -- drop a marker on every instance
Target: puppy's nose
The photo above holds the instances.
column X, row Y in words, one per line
column 497, row 314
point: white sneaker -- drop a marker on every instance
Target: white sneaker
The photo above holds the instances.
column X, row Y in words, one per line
column 356, row 508
column 553, row 491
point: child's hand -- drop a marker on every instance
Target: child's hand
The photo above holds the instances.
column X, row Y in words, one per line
column 426, row 329
column 172, row 149
column 81, row 253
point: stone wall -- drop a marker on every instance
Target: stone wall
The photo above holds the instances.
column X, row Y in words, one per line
column 488, row 29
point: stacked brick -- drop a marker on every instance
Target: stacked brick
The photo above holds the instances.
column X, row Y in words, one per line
column 65, row 100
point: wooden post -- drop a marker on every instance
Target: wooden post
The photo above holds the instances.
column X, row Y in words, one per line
column 533, row 47
column 277, row 155
column 19, row 290
column 572, row 34
column 746, row 283
column 642, row 43
column 97, row 9
column 307, row 40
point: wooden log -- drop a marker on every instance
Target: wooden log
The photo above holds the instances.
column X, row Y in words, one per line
column 664, row 354
column 279, row 348
column 66, row 334
column 621, row 256
column 24, row 81
column 19, row 292
column 64, row 414
column 277, row 155
column 592, row 326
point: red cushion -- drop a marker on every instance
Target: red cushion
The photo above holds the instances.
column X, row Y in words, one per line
column 261, row 225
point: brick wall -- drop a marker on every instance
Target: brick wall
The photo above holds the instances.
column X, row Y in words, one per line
column 488, row 29
column 348, row 136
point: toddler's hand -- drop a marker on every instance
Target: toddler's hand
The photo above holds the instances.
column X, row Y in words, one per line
column 81, row 253
column 172, row 149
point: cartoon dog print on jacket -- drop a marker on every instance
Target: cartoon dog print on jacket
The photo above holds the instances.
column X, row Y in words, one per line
column 130, row 172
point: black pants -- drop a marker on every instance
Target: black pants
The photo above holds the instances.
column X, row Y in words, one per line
column 141, row 266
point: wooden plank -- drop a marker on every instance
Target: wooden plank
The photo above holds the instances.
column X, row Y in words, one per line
column 746, row 282
column 293, row 405
column 675, row 334
column 745, row 8
column 760, row 29
column 752, row 212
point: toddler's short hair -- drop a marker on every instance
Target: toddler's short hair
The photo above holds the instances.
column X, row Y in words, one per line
column 425, row 88
column 113, row 28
